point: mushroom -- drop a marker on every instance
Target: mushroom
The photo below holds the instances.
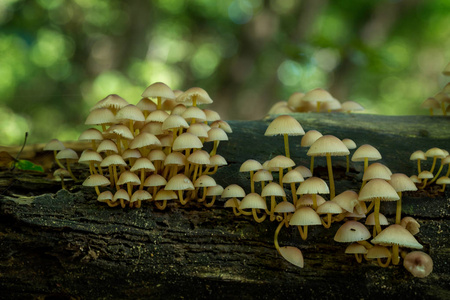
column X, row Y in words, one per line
column 400, row 182
column 281, row 162
column 194, row 96
column 142, row 165
column 213, row 191
column 396, row 236
column 273, row 190
column 255, row 202
column 418, row 263
column 328, row 208
column 435, row 153
column 154, row 181
column 444, row 180
column 138, row 197
column 180, row 183
column 130, row 114
column 60, row 173
column 96, row 180
column 430, row 103
column 112, row 102
column 304, row 217
column 107, row 197
column 317, row 96
column 130, row 179
column 328, row 145
column 350, row 144
column 353, row 231
column 251, row 165
column 91, row 135
column 379, row 252
column 357, row 249
column 292, row 177
column 286, row 126
column 216, row 135
column 122, row 197
column 164, row 195
column 55, row 145
column 313, row 186
column 232, row 192
column 160, row 91
column 68, row 155
column 307, row 140
column 418, row 155
column 90, row 157
column 366, row 153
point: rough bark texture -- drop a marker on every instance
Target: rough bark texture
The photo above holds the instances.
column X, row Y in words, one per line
column 62, row 243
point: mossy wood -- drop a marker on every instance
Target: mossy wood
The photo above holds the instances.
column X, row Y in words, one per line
column 64, row 243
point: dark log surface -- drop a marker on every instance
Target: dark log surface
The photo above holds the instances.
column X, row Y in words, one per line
column 58, row 244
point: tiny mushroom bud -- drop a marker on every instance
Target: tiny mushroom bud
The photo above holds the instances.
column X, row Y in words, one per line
column 418, row 263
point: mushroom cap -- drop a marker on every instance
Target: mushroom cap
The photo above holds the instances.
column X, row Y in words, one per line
column 419, row 154
column 430, row 102
column 317, row 95
column 128, row 177
column 166, row 140
column 223, row 125
column 194, row 112
column 350, row 144
column 215, row 190
column 131, row 153
column 310, row 137
column 107, row 145
column 306, row 172
column 281, row 161
column 105, row 196
column 366, row 151
column 88, row 156
column 61, row 173
column 112, row 101
column 179, row 182
column 121, row 194
column 144, row 139
column 216, row 134
column 284, row 124
column 349, row 106
column 329, row 207
column 142, row 163
column 378, row 188
column 147, row 105
column 250, row 165
column 121, row 130
column 232, row 202
column 305, row 216
column 347, row 200
column 233, row 191
column 378, row 251
column 100, row 116
column 253, row 200
column 293, row 176
column 418, row 263
column 273, row 189
column 355, row 248
column 284, row 207
column 313, row 185
column 200, row 94
column 352, row 231
column 217, row 160
column 67, row 154
column 155, row 180
column 156, row 155
column 174, row 122
column 425, row 175
column 307, row 200
column 165, row 195
column 96, row 180
column 295, row 99
column 370, row 220
column 91, row 134
column 400, row 182
column 396, row 235
column 140, row 195
column 211, row 115
column 205, row 181
column 435, row 152
column 175, row 159
column 158, row 89
column 410, row 224
column 377, row 170
column 198, row 129
column 292, row 255
column 262, row 175
column 443, row 180
column 328, row 144
column 130, row 112
column 158, row 116
column 186, row 141
column 53, row 145
column 113, row 159
column 199, row 157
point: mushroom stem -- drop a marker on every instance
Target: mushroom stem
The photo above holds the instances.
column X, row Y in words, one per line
column 280, row 176
column 273, row 203
column 214, row 150
column 141, row 186
column 326, row 223
column 294, row 194
column 236, row 208
column 377, row 215
column 209, row 204
column 115, row 177
column 395, row 257
column 366, row 163
column 358, row 257
column 129, row 189
column 365, row 244
column 311, row 167
column 252, row 183
column 70, row 171
column 318, row 106
column 275, row 238
column 398, row 212
column 303, row 231
column 419, row 169
column 330, row 177
column 286, row 145
column 159, row 102
column 314, row 198
column 444, row 111
column 256, row 217
column 97, row 190
column 112, row 204
column 161, row 206
column 180, row 197
column 437, row 174
column 434, row 164
column 384, row 264
column 57, row 160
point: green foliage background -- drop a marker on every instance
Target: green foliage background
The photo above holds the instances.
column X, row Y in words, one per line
column 59, row 57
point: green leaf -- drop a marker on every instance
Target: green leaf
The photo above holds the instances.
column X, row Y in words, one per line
column 28, row 165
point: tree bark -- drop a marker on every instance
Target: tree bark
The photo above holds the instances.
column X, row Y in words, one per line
column 63, row 243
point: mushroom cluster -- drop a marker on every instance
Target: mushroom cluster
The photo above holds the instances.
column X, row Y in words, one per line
column 316, row 100
column 297, row 198
column 152, row 151
column 432, row 178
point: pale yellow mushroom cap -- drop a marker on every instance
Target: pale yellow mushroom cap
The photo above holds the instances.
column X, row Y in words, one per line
column 179, row 182
column 253, row 200
column 328, row 144
column 273, row 189
column 305, row 216
column 313, row 185
column 158, row 89
column 352, row 231
column 366, row 151
column 378, row 188
column 396, row 235
column 284, row 124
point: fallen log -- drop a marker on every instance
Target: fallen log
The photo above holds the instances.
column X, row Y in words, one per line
column 64, row 244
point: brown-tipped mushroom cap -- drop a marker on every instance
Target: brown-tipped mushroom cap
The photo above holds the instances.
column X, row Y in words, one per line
column 112, row 101
column 328, row 144
column 310, row 137
column 400, row 182
column 158, row 89
column 100, row 116
column 96, row 180
column 377, row 170
column 366, row 151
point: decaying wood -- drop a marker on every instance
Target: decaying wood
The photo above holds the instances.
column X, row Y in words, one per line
column 62, row 243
